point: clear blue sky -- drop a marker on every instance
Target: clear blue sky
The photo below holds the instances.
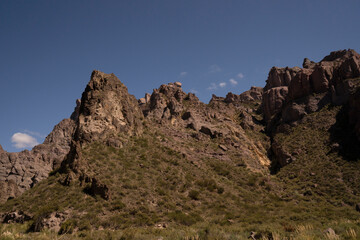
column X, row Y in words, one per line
column 49, row 48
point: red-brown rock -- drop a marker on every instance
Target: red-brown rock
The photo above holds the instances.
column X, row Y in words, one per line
column 273, row 100
column 279, row 77
column 328, row 76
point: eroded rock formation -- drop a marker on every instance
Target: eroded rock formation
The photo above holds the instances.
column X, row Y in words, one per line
column 21, row 171
column 107, row 109
column 292, row 93
column 289, row 91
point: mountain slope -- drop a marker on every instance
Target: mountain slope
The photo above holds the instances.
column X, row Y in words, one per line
column 169, row 165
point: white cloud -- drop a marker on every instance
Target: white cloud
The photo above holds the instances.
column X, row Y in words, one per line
column 193, row 91
column 212, row 86
column 222, row 84
column 183, row 74
column 34, row 133
column 23, row 140
column 240, row 75
column 233, row 82
column 214, row 68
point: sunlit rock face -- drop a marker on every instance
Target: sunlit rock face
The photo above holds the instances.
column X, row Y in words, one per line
column 107, row 109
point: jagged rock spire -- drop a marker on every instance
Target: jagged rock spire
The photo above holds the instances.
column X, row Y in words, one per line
column 107, row 109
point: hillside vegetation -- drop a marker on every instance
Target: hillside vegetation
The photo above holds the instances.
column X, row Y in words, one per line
column 156, row 191
column 280, row 162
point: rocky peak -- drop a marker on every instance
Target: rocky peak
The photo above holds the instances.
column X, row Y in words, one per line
column 107, row 114
column 215, row 98
column 308, row 64
column 340, row 55
column 107, row 109
column 279, row 77
column 75, row 115
column 286, row 86
column 252, row 95
column 166, row 102
column 172, row 90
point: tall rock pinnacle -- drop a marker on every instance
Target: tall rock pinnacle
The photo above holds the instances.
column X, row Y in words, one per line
column 107, row 109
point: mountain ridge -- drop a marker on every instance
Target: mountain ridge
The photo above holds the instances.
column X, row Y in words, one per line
column 172, row 160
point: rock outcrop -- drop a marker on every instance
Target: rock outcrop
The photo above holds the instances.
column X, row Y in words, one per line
column 165, row 102
column 21, row 171
column 181, row 115
column 279, row 77
column 252, row 95
column 107, row 109
column 107, row 114
column 292, row 93
column 327, row 78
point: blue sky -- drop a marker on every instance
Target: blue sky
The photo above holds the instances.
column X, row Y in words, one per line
column 49, row 48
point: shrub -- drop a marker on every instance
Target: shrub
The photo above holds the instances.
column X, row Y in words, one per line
column 68, row 226
column 209, row 184
column 185, row 219
column 194, row 195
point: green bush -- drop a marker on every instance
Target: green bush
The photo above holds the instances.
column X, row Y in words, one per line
column 68, row 226
column 194, row 195
column 185, row 219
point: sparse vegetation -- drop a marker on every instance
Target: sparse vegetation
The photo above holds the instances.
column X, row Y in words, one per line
column 163, row 187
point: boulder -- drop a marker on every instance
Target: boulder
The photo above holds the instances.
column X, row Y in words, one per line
column 100, row 189
column 210, row 131
column 223, row 147
column 331, row 233
column 308, row 64
column 282, row 157
column 187, row 115
column 15, row 217
column 50, row 221
column 142, row 101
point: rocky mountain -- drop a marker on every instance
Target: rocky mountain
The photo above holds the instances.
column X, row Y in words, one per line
column 292, row 93
column 21, row 171
column 281, row 161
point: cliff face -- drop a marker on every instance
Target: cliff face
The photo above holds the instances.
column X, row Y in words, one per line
column 291, row 93
column 21, row 171
column 107, row 109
